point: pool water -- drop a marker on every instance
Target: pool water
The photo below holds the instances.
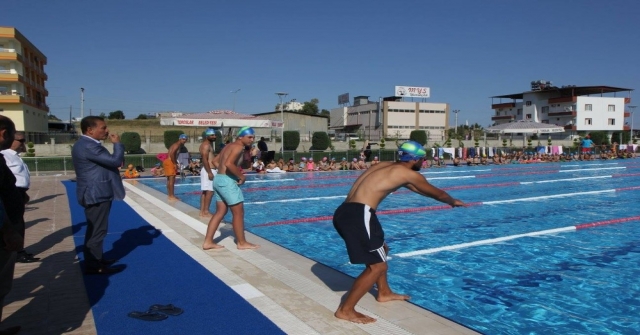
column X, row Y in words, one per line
column 572, row 282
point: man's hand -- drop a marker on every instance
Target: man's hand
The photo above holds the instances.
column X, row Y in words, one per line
column 12, row 240
column 115, row 138
column 458, row 203
column 210, row 175
column 241, row 180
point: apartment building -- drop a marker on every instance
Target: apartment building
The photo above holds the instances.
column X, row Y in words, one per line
column 576, row 108
column 22, row 84
column 390, row 117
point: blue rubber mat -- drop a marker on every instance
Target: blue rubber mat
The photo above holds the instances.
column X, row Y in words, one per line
column 158, row 272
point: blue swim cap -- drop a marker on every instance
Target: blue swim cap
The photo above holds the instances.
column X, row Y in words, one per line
column 411, row 150
column 245, row 131
column 183, row 136
column 210, row 131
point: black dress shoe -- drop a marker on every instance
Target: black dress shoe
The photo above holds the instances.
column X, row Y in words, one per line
column 10, row 331
column 108, row 261
column 26, row 258
column 104, row 270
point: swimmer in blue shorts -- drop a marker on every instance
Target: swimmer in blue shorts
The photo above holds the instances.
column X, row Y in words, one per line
column 228, row 194
column 356, row 222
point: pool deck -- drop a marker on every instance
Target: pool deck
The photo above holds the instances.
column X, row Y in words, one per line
column 296, row 293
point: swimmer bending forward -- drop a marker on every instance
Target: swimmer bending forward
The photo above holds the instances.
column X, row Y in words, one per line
column 356, row 222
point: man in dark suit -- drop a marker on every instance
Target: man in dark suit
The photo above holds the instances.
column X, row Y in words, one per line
column 99, row 183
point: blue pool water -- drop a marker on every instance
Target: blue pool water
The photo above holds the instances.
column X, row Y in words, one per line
column 578, row 282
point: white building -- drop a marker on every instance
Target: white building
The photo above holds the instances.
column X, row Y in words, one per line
column 576, row 108
column 392, row 117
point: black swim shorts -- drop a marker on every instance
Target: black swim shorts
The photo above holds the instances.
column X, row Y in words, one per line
column 362, row 233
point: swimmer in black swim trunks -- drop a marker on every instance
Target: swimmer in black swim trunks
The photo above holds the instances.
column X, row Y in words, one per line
column 356, row 222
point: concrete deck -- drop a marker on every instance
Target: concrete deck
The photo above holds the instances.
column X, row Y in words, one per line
column 297, row 294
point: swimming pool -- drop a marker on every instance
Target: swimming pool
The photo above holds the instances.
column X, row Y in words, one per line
column 543, row 248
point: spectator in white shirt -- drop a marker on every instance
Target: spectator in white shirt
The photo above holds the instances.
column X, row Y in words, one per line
column 23, row 181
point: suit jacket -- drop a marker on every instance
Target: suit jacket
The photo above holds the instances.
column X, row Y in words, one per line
column 97, row 171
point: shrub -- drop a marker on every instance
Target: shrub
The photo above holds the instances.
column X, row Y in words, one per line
column 352, row 144
column 171, row 137
column 504, row 142
column 31, row 152
column 382, row 143
column 291, row 140
column 131, row 141
column 419, row 136
column 320, row 140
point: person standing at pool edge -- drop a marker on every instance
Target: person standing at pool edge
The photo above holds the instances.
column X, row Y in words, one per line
column 356, row 222
column 207, row 173
column 228, row 194
column 172, row 167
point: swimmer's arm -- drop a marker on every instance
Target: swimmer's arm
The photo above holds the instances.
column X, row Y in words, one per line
column 230, row 163
column 420, row 185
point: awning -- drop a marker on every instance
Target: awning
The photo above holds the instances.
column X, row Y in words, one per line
column 220, row 119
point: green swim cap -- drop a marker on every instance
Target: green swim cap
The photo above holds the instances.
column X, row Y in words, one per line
column 411, row 150
column 245, row 131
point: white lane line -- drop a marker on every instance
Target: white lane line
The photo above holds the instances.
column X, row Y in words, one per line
column 458, row 177
column 557, row 180
column 441, row 172
column 268, row 181
column 294, row 200
column 565, row 195
column 598, row 169
column 484, row 242
column 598, row 164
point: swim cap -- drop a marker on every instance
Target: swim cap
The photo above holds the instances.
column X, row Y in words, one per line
column 310, row 159
column 245, row 131
column 411, row 150
column 210, row 131
column 183, row 136
column 355, row 159
column 303, row 159
column 344, row 159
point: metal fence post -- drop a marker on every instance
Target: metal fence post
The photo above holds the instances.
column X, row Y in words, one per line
column 64, row 164
column 36, row 161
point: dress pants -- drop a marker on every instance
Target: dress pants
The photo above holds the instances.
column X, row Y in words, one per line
column 7, row 265
column 97, row 225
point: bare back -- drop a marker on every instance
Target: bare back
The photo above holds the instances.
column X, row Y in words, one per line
column 384, row 178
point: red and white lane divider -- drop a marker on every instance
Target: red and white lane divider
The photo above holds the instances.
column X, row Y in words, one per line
column 513, row 237
column 442, row 207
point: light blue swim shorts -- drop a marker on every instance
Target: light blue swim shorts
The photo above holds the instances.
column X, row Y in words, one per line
column 227, row 190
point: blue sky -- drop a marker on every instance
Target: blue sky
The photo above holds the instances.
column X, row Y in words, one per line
column 143, row 56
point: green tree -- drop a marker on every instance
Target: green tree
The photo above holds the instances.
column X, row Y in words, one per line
column 116, row 115
column 131, row 141
column 311, row 107
column 103, row 115
column 419, row 136
column 171, row 137
column 142, row 117
column 53, row 117
column 291, row 140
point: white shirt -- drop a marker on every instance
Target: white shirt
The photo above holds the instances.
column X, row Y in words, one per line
column 18, row 167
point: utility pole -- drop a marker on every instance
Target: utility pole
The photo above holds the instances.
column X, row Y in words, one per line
column 70, row 109
column 234, row 99
column 455, row 111
column 633, row 109
column 282, row 94
column 81, row 102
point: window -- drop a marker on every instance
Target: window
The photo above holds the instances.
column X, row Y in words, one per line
column 545, row 109
column 612, row 108
column 528, row 103
column 587, row 121
column 612, row 122
column 528, row 116
column 588, row 107
column 519, row 111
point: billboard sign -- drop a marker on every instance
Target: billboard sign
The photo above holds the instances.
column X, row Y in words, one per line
column 343, row 99
column 413, row 92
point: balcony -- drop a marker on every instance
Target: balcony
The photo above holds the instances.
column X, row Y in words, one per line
column 11, row 98
column 506, row 117
column 10, row 75
column 627, row 114
column 627, row 100
column 563, row 113
column 571, row 127
column 627, row 128
column 563, row 99
column 504, row 105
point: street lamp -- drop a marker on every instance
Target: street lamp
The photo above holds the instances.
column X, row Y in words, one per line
column 282, row 94
column 234, row 99
column 81, row 103
column 455, row 111
column 631, row 131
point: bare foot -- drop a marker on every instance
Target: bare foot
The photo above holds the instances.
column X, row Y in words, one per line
column 391, row 297
column 211, row 245
column 173, row 199
column 354, row 317
column 247, row 245
column 206, row 215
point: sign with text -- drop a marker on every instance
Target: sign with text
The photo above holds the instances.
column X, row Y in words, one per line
column 343, row 99
column 413, row 92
